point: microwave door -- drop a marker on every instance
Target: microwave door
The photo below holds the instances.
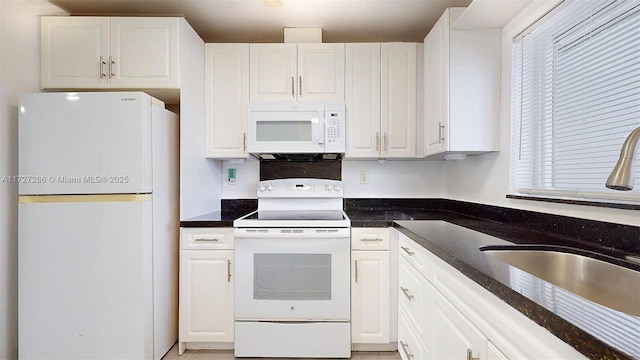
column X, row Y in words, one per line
column 286, row 132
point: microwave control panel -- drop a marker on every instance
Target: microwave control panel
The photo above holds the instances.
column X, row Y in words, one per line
column 334, row 130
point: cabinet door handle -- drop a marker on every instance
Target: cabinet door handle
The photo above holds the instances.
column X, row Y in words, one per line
column 356, row 272
column 407, row 250
column 405, row 348
column 102, row 64
column 385, row 143
column 206, row 239
column 244, row 143
column 300, row 86
column 228, row 270
column 370, row 239
column 377, row 141
column 111, row 65
column 293, row 87
column 440, row 133
column 470, row 355
column 406, row 293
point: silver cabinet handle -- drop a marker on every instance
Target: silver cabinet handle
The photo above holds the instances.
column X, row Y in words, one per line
column 385, row 142
column 356, row 272
column 244, row 144
column 406, row 293
column 102, row 64
column 371, row 239
column 228, row 270
column 293, row 86
column 407, row 250
column 206, row 239
column 405, row 348
column 377, row 141
column 300, row 86
column 111, row 65
column 440, row 133
column 470, row 355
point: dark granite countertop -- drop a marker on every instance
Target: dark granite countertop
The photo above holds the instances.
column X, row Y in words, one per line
column 459, row 247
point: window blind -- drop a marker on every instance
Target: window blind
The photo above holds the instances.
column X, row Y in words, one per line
column 575, row 98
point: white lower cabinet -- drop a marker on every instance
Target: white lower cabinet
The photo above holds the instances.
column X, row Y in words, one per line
column 206, row 289
column 372, row 306
column 442, row 314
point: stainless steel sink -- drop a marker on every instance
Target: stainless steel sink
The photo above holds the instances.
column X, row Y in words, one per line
column 602, row 282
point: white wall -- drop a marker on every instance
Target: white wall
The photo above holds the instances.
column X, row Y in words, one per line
column 19, row 72
column 485, row 178
column 391, row 179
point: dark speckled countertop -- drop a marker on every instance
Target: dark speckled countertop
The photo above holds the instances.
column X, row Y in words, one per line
column 455, row 238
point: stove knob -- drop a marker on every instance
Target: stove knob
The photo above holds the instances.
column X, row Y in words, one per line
column 336, row 187
column 270, row 187
column 262, row 188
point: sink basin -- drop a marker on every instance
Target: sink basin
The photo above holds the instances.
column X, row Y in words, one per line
column 602, row 282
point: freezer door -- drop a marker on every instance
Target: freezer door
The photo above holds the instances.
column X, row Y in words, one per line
column 85, row 287
column 84, row 143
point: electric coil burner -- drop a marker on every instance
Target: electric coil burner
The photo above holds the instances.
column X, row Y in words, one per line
column 292, row 284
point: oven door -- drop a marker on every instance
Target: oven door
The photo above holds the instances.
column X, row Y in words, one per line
column 292, row 275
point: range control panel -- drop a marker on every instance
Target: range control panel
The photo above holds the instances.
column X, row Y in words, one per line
column 300, row 188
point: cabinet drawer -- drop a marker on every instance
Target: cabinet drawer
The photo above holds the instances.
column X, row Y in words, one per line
column 206, row 238
column 370, row 238
column 415, row 254
column 412, row 296
column 410, row 345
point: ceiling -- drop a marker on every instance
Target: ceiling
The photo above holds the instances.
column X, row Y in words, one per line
column 251, row 21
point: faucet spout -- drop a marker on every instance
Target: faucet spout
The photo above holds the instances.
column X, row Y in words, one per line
column 622, row 176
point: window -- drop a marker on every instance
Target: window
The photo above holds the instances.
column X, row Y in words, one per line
column 575, row 98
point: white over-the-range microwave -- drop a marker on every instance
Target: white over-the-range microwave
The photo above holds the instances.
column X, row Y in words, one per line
column 312, row 127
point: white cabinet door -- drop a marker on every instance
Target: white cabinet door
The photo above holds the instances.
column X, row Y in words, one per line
column 494, row 354
column 144, row 52
column 362, row 100
column 206, row 296
column 72, row 49
column 436, row 84
column 273, row 71
column 226, row 100
column 321, row 72
column 370, row 310
column 398, row 100
column 451, row 335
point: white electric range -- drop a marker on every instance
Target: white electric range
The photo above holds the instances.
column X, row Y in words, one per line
column 292, row 283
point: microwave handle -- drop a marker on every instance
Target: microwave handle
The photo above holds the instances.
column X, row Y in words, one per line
column 321, row 133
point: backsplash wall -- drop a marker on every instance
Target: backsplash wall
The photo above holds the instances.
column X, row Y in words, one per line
column 390, row 179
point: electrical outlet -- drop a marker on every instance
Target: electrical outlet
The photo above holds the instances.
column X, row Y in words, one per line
column 364, row 177
column 231, row 176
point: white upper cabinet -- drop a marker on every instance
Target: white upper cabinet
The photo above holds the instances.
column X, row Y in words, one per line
column 297, row 72
column 381, row 95
column 461, row 88
column 226, row 100
column 87, row 52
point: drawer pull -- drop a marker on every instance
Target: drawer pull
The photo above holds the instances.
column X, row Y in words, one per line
column 407, row 250
column 405, row 348
column 371, row 239
column 406, row 293
column 206, row 239
column 470, row 355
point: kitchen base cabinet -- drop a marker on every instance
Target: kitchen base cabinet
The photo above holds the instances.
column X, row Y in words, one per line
column 372, row 305
column 462, row 319
column 206, row 289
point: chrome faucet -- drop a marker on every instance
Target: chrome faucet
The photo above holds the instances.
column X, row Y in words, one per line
column 622, row 176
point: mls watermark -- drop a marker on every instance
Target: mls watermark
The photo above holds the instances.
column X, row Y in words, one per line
column 62, row 179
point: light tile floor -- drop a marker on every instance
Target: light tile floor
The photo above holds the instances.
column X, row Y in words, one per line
column 228, row 355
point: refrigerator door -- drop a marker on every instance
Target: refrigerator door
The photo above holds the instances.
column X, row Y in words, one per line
column 85, row 279
column 84, row 143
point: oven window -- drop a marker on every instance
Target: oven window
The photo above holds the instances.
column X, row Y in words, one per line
column 284, row 130
column 292, row 276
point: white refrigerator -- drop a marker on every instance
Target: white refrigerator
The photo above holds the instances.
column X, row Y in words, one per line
column 98, row 226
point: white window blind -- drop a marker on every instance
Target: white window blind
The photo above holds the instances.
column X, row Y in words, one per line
column 575, row 98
